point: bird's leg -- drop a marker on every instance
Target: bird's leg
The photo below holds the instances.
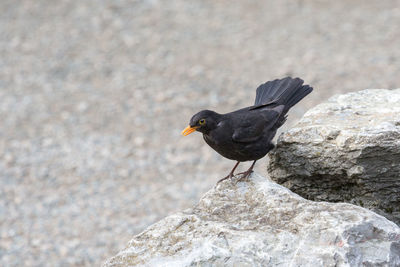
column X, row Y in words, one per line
column 248, row 172
column 230, row 175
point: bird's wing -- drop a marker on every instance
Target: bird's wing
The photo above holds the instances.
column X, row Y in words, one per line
column 252, row 127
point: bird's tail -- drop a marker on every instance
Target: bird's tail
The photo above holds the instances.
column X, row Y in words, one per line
column 287, row 92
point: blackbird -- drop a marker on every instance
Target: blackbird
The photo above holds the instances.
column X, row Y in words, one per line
column 246, row 134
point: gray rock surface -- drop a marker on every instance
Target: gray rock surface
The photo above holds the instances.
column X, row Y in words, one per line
column 347, row 149
column 260, row 223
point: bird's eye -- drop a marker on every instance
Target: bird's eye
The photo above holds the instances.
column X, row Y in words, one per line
column 202, row 121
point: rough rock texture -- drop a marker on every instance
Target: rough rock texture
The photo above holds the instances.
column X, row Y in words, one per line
column 260, row 223
column 347, row 149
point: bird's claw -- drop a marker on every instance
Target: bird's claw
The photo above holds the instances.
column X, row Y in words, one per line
column 223, row 179
column 245, row 175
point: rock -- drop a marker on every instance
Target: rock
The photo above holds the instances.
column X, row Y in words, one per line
column 260, row 223
column 347, row 149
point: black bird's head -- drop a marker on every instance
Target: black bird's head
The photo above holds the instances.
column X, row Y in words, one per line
column 204, row 122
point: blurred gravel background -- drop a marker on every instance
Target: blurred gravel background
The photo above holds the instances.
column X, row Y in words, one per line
column 94, row 95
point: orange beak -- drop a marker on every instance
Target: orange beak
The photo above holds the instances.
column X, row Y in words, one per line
column 189, row 130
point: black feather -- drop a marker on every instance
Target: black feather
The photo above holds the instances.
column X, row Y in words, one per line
column 287, row 92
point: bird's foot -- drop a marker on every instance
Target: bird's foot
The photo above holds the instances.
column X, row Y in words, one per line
column 227, row 177
column 245, row 175
column 230, row 175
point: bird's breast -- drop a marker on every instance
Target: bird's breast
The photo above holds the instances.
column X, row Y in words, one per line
column 223, row 144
